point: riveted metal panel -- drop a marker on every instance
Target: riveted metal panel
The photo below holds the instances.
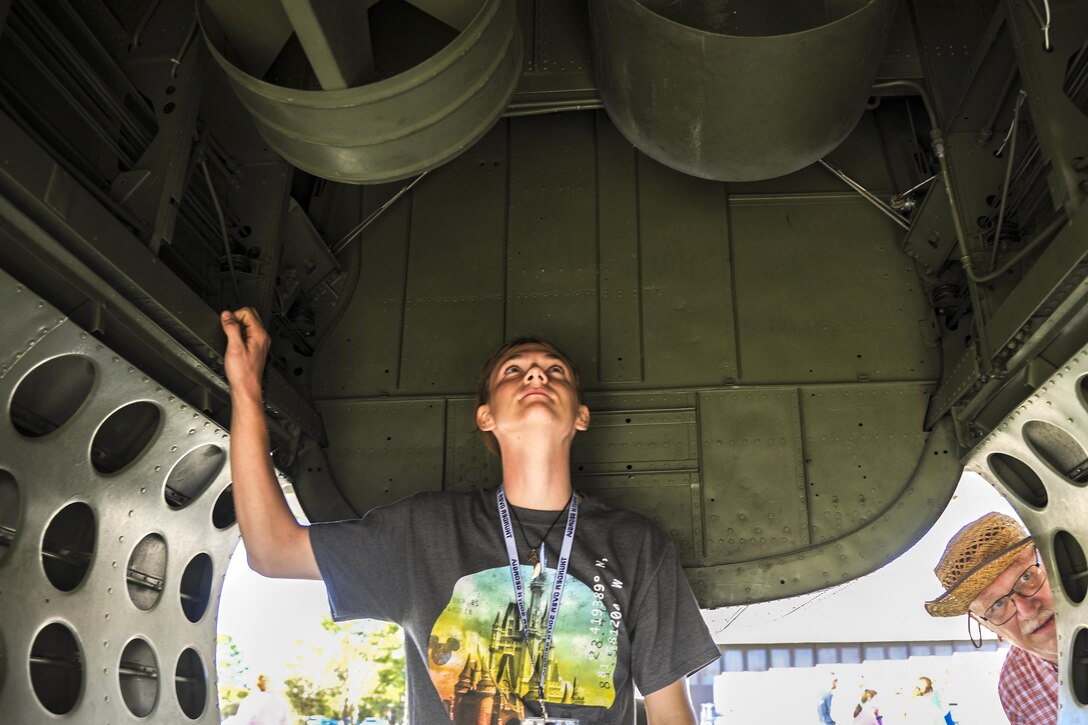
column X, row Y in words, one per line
column 55, row 470
column 1054, row 508
column 453, row 311
column 468, row 463
column 861, row 449
column 385, row 450
column 948, row 32
column 670, row 500
column 557, row 70
column 920, row 500
column 638, row 441
column 645, row 447
column 753, row 474
column 551, row 272
column 901, row 57
column 687, row 289
column 790, row 295
column 620, row 294
column 360, row 354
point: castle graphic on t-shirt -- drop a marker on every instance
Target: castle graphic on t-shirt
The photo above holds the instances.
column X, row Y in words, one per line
column 485, row 667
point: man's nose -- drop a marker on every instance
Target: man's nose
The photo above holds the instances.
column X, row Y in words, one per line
column 1026, row 606
column 535, row 372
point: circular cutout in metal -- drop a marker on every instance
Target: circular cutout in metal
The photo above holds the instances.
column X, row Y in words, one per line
column 1020, row 479
column 10, row 505
column 196, row 587
column 124, row 435
column 1079, row 667
column 192, row 474
column 223, row 513
column 191, row 684
column 1059, row 449
column 147, row 571
column 1072, row 566
column 51, row 394
column 68, row 546
column 138, row 676
column 56, row 668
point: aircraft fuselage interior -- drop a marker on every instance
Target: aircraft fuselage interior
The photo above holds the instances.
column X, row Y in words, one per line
column 813, row 259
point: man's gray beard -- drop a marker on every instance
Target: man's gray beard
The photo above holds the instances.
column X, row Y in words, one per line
column 1032, row 624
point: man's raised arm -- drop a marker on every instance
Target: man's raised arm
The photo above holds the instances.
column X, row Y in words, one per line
column 277, row 545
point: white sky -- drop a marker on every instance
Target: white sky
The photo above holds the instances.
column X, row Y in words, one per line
column 269, row 618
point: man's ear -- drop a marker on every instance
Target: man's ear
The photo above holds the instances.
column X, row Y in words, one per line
column 484, row 421
column 582, row 421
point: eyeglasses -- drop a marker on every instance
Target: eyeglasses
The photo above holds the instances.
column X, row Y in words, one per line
column 1030, row 582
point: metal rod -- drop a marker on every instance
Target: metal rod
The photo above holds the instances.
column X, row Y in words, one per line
column 57, row 661
column 1039, row 238
column 868, row 195
column 919, row 185
column 130, row 669
column 92, row 123
column 119, row 79
column 65, row 556
column 343, row 243
column 223, row 231
column 957, row 222
column 134, row 43
column 73, row 62
column 177, row 58
column 1008, row 174
column 987, row 131
column 135, row 576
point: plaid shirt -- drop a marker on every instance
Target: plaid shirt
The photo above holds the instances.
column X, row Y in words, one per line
column 1028, row 688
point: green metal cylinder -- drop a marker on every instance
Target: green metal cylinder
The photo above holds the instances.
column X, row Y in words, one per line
column 397, row 127
column 737, row 90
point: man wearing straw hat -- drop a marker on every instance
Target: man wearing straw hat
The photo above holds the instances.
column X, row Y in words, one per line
column 991, row 572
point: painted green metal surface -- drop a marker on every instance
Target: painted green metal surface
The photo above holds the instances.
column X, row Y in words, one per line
column 733, row 94
column 392, row 128
column 789, row 426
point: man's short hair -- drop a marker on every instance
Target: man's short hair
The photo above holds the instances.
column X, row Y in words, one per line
column 977, row 555
column 483, row 385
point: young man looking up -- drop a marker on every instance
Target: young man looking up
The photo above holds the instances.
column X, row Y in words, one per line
column 992, row 573
column 529, row 603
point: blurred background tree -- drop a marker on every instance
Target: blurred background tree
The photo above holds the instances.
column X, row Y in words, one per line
column 233, row 674
column 362, row 675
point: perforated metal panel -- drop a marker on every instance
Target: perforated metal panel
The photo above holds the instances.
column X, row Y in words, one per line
column 111, row 559
column 1038, row 459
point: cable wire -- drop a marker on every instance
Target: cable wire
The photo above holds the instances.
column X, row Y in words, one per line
column 223, row 231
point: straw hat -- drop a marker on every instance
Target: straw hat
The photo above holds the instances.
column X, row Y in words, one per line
column 973, row 559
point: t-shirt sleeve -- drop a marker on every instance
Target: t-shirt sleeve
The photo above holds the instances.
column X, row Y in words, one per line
column 361, row 561
column 669, row 639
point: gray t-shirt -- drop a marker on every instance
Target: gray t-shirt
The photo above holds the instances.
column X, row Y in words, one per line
column 436, row 564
